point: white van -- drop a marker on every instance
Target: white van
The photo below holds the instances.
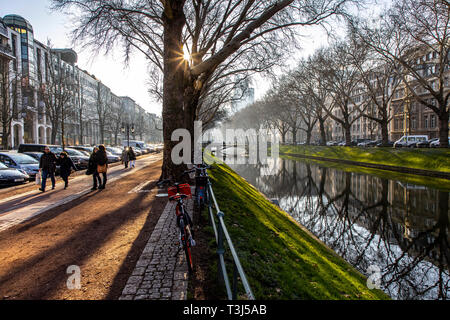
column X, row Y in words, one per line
column 409, row 141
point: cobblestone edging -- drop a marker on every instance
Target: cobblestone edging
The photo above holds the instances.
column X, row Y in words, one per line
column 161, row 272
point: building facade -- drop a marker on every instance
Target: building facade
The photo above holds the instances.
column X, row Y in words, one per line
column 87, row 112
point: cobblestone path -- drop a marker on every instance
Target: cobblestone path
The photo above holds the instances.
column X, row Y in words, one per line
column 161, row 272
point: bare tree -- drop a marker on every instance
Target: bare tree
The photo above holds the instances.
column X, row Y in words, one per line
column 415, row 35
column 115, row 119
column 343, row 82
column 103, row 108
column 57, row 93
column 9, row 95
column 214, row 31
column 309, row 83
column 379, row 81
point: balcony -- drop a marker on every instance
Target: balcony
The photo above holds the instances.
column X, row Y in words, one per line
column 6, row 51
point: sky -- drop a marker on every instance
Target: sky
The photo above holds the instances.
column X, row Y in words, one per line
column 122, row 80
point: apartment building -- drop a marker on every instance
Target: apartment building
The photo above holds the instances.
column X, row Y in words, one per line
column 93, row 114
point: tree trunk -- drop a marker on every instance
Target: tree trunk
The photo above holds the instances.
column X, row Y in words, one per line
column 55, row 126
column 308, row 136
column 5, row 136
column 294, row 135
column 283, row 137
column 173, row 85
column 81, row 131
column 348, row 135
column 443, row 129
column 323, row 135
column 384, row 133
column 63, row 139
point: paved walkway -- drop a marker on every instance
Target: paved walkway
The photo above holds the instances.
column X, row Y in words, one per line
column 161, row 272
column 24, row 206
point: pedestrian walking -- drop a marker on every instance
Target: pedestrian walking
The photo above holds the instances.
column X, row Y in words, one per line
column 101, row 160
column 132, row 157
column 125, row 158
column 92, row 169
column 65, row 167
column 47, row 166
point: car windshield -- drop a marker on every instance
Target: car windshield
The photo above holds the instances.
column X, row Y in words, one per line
column 23, row 159
column 73, row 152
column 2, row 166
column 56, row 149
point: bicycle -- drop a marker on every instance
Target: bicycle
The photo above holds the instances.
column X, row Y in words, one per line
column 178, row 192
column 201, row 184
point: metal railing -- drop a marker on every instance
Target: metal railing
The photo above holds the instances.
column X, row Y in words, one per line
column 220, row 231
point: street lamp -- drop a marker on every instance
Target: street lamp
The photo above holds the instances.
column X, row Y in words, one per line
column 127, row 126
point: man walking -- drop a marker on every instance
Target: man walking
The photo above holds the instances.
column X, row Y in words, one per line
column 125, row 157
column 47, row 166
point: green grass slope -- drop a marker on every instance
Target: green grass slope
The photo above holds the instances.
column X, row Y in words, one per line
column 426, row 159
column 281, row 259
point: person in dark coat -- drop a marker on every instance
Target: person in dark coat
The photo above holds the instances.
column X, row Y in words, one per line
column 92, row 169
column 66, row 165
column 47, row 166
column 101, row 159
column 131, row 157
column 125, row 157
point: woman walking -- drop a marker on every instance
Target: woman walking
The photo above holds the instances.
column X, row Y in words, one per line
column 132, row 157
column 101, row 160
column 66, row 164
column 92, row 169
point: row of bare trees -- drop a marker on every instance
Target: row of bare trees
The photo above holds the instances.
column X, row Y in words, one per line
column 404, row 54
column 223, row 38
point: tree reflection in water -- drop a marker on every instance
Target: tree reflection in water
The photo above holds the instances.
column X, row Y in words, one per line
column 401, row 228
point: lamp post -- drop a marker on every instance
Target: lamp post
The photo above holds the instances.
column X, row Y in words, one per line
column 127, row 126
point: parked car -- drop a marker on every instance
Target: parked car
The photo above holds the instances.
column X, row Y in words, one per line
column 372, row 143
column 11, row 176
column 22, row 162
column 115, row 152
column 149, row 148
column 137, row 151
column 425, row 143
column 362, row 142
column 437, row 143
column 112, row 158
column 29, row 147
column 36, row 155
column 388, row 144
column 409, row 141
column 80, row 160
column 83, row 149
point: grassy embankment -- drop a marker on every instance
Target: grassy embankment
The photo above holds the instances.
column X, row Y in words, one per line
column 282, row 260
column 426, row 159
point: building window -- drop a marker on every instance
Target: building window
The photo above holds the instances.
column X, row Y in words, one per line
column 433, row 121
column 425, row 122
column 414, row 122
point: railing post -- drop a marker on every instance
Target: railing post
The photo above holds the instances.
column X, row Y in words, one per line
column 235, row 276
column 220, row 247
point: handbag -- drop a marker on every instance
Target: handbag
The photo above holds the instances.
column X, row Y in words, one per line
column 101, row 168
column 38, row 178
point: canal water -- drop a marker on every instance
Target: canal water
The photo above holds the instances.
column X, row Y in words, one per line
column 395, row 233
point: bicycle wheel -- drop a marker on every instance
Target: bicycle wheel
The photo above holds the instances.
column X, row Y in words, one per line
column 187, row 252
column 186, row 246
